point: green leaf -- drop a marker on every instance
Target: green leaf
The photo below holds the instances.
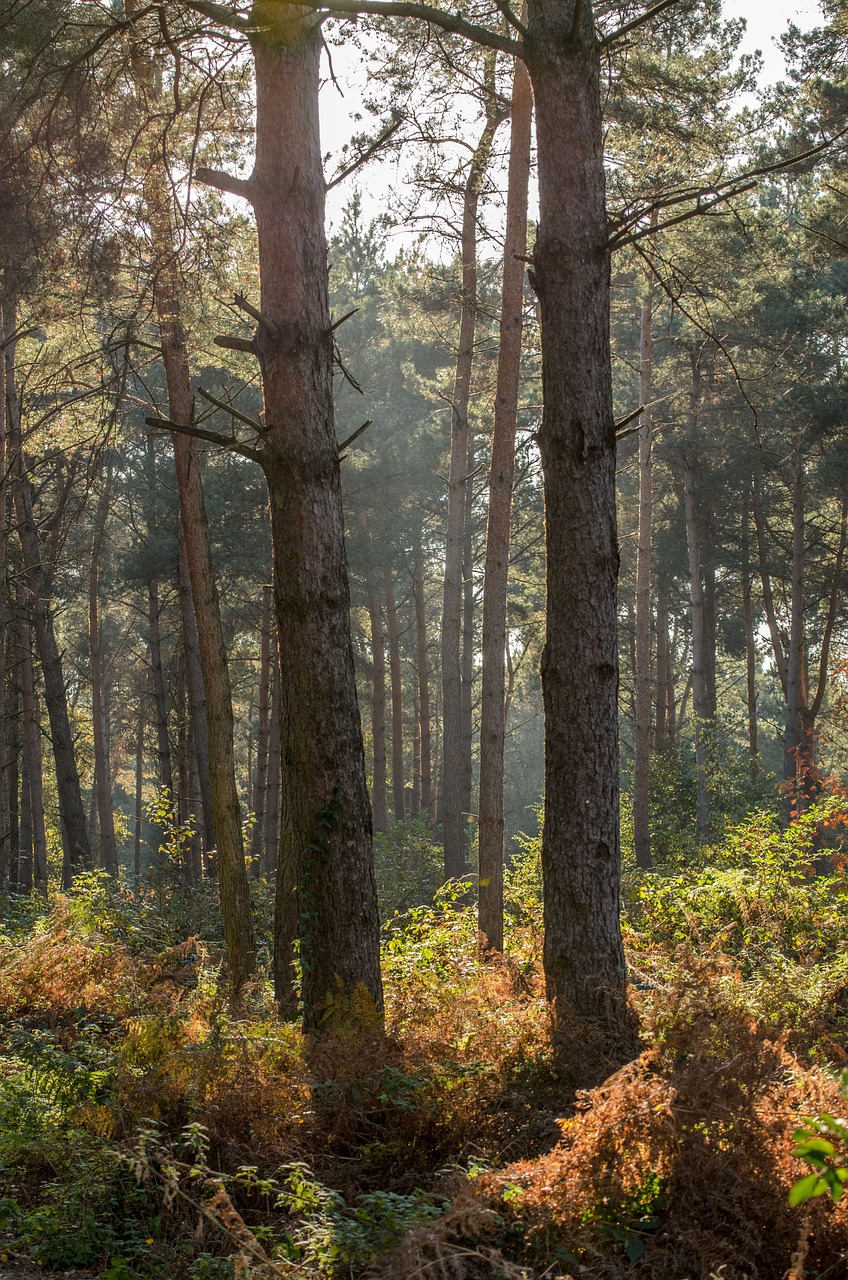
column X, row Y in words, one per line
column 807, row 1189
column 634, row 1247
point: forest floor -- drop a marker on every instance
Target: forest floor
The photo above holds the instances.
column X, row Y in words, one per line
column 148, row 1128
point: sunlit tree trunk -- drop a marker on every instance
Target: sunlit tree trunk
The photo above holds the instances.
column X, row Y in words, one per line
column 583, row 952
column 501, row 477
column 701, row 701
column 167, row 292
column 642, row 661
column 264, row 730
column 452, row 763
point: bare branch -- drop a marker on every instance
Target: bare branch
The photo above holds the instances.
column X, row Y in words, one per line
column 213, row 437
column 623, row 422
column 235, row 344
column 636, row 22
column 366, row 155
column 253, row 423
column 223, row 181
column 220, row 14
column 242, row 303
column 356, row 434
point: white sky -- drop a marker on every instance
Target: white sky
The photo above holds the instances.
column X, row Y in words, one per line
column 767, row 20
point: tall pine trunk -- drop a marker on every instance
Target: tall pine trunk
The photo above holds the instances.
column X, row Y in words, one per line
column 326, row 815
column 264, row 730
column 642, row 659
column 167, row 291
column 453, row 765
column 398, row 783
column 102, row 772
column 423, row 671
column 36, row 586
column 379, row 798
column 581, row 863
column 501, row 477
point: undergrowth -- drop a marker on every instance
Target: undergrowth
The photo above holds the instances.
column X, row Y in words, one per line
column 148, row 1127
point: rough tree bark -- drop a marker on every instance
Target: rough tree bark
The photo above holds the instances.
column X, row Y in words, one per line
column 325, row 811
column 490, row 832
column 581, row 863
column 32, row 781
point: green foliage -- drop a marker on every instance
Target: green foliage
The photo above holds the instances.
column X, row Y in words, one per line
column 408, row 866
column 822, row 1144
column 333, row 1239
column 756, row 900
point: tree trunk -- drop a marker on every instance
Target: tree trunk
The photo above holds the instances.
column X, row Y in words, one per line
column 326, row 816
column 415, row 802
column 7, row 323
column 661, row 715
column 196, row 693
column 490, row 832
column 157, row 679
column 423, row 665
column 453, row 826
column 139, row 783
column 581, row 863
column 226, row 810
column 102, row 772
column 797, row 747
column 262, row 740
column 379, row 798
column 36, row 587
column 13, row 759
column 32, row 782
column 750, row 647
column 398, row 798
column 272, row 793
column 642, row 664
column 701, row 701
column 467, row 662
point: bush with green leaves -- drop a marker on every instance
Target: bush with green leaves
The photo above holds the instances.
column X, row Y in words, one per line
column 758, row 899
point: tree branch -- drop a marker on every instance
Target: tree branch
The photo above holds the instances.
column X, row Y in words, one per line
column 236, row 413
column 366, row 155
column 212, row 437
column 242, row 303
column 220, row 14
column 235, row 344
column 356, row 434
column 223, row 181
column 733, row 186
column 425, row 13
column 636, row 22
